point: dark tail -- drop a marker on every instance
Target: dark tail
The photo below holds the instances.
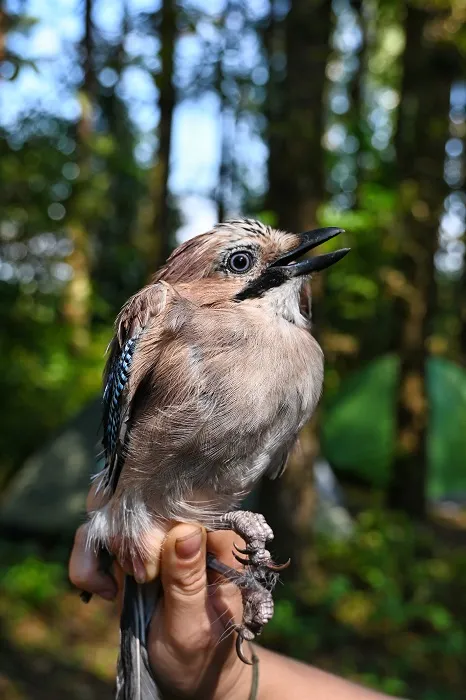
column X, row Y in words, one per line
column 134, row 676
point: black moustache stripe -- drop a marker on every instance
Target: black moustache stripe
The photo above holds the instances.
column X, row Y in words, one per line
column 271, row 277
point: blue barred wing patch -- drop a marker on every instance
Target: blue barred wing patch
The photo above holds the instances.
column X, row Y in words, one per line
column 113, row 401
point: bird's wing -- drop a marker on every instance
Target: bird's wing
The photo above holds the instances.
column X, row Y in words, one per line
column 137, row 314
column 278, row 465
column 279, row 462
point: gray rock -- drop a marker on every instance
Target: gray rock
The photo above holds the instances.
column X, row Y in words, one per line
column 49, row 493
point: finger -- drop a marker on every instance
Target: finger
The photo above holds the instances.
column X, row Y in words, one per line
column 221, row 543
column 225, row 595
column 145, row 565
column 96, row 497
column 92, row 500
column 84, row 569
column 186, row 621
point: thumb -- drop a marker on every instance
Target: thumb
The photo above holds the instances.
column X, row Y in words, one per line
column 184, row 582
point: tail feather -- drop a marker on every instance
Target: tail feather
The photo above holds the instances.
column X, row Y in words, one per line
column 134, row 676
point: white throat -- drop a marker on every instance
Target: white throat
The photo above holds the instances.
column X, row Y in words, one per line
column 284, row 301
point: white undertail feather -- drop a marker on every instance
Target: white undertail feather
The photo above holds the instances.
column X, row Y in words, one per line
column 131, row 524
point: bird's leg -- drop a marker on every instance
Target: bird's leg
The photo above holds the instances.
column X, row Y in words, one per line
column 258, row 580
column 255, row 531
column 257, row 602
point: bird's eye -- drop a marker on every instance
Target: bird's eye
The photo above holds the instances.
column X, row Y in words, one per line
column 240, row 262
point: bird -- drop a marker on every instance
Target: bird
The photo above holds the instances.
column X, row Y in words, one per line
column 211, row 373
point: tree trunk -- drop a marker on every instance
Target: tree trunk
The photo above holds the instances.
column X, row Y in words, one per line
column 356, row 89
column 429, row 69
column 275, row 106
column 298, row 181
column 223, row 167
column 297, row 187
column 224, row 170
column 76, row 308
column 123, row 240
column 167, row 100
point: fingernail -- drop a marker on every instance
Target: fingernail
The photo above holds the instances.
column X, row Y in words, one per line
column 144, row 571
column 108, row 595
column 151, row 570
column 188, row 546
column 139, row 571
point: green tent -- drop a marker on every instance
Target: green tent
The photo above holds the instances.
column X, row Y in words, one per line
column 358, row 433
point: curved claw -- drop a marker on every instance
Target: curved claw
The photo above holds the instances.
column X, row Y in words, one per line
column 279, row 567
column 241, row 551
column 241, row 560
column 239, row 650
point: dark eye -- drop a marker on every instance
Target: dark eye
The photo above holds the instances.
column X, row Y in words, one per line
column 241, row 261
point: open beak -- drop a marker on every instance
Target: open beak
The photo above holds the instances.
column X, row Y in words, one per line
column 309, row 240
column 286, row 266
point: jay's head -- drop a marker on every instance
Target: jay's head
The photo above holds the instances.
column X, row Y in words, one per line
column 248, row 259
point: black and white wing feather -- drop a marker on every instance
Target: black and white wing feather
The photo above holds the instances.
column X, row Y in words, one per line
column 130, row 325
column 115, row 412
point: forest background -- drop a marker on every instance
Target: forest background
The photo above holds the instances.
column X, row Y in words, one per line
column 128, row 126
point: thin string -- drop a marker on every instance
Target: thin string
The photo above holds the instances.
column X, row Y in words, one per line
column 255, row 674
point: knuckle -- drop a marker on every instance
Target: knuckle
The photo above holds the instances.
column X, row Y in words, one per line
column 78, row 575
column 91, row 499
column 192, row 582
column 80, row 537
column 77, row 578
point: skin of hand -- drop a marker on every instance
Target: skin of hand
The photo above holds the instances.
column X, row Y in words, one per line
column 190, row 647
column 191, row 644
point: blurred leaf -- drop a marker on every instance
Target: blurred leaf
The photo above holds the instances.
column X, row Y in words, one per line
column 32, row 581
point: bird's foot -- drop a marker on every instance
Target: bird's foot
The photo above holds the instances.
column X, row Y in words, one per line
column 257, row 602
column 257, row 611
column 255, row 531
column 258, row 580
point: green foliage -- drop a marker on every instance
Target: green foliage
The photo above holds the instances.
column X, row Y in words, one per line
column 45, row 383
column 52, row 185
column 32, row 581
column 28, row 580
column 383, row 607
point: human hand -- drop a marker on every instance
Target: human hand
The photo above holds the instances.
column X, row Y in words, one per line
column 191, row 648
